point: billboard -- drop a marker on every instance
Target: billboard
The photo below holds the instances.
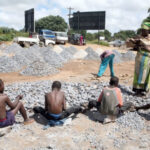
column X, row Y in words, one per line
column 29, row 20
column 88, row 20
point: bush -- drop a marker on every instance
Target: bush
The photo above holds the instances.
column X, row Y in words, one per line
column 104, row 43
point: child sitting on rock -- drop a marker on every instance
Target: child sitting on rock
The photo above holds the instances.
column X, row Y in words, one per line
column 7, row 118
column 55, row 104
column 110, row 101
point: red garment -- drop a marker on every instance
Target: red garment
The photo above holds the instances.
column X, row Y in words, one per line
column 1, row 120
column 118, row 93
column 81, row 40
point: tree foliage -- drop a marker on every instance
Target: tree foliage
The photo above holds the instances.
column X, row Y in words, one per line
column 54, row 23
column 124, row 34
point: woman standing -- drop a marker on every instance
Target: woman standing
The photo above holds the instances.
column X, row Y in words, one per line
column 141, row 83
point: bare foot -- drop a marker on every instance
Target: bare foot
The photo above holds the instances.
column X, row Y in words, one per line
column 28, row 121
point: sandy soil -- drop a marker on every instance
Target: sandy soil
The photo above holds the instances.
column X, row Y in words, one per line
column 78, row 71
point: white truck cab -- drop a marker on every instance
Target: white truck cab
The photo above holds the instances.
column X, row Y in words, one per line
column 61, row 37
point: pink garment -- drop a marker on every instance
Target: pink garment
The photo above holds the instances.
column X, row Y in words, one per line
column 81, row 40
column 106, row 54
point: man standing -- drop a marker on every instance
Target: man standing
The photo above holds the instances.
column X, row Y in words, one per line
column 107, row 57
column 7, row 118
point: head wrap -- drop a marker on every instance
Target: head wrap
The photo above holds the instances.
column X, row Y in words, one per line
column 145, row 25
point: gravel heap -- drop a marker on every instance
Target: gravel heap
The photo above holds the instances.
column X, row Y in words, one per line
column 76, row 93
column 39, row 68
column 128, row 56
column 68, row 53
column 128, row 128
column 36, row 60
column 121, row 57
column 91, row 54
column 16, row 58
column 8, row 64
column 118, row 57
column 51, row 57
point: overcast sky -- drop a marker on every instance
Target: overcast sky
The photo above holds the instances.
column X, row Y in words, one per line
column 120, row 14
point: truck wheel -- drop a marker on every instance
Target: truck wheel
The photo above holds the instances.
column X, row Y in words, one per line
column 41, row 44
column 27, row 45
column 51, row 45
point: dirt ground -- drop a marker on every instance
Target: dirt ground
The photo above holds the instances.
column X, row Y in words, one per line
column 78, row 71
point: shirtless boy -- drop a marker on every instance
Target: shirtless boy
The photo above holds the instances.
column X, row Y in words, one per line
column 7, row 118
column 55, row 105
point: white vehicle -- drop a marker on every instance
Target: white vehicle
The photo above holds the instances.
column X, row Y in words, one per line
column 26, row 42
column 61, row 37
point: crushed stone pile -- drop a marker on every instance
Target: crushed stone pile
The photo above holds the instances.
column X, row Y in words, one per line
column 38, row 68
column 91, row 54
column 68, row 53
column 76, row 93
column 128, row 128
column 14, row 58
column 118, row 56
column 128, row 56
column 51, row 57
column 81, row 54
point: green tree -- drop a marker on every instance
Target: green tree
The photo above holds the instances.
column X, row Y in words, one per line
column 124, row 34
column 54, row 23
column 90, row 37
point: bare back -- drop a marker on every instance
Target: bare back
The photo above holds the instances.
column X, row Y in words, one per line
column 55, row 102
column 2, row 106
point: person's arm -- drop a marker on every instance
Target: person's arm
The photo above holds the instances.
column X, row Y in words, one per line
column 64, row 102
column 119, row 96
column 147, row 47
column 9, row 103
column 19, row 97
column 46, row 104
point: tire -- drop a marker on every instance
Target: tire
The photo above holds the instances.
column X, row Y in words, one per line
column 50, row 45
column 27, row 45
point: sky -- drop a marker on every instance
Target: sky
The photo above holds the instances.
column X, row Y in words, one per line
column 120, row 14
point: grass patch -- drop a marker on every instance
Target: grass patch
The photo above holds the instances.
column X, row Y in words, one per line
column 10, row 36
column 104, row 43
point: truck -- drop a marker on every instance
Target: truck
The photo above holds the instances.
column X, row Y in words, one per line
column 46, row 36
column 61, row 37
column 39, row 39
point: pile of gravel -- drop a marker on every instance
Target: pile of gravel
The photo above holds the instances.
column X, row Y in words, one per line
column 118, row 56
column 36, row 60
column 91, row 54
column 128, row 56
column 51, row 57
column 38, row 68
column 17, row 58
column 76, row 93
column 8, row 64
column 68, row 53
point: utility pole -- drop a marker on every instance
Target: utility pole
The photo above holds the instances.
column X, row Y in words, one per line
column 69, row 14
column 70, row 11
